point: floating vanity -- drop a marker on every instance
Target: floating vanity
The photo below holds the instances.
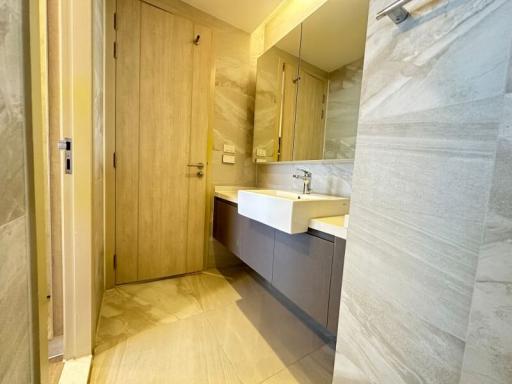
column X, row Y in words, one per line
column 299, row 255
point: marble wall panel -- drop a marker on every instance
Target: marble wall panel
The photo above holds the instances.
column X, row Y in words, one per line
column 343, row 111
column 12, row 203
column 331, row 178
column 488, row 354
column 432, row 101
column 15, row 356
column 15, row 303
column 234, row 107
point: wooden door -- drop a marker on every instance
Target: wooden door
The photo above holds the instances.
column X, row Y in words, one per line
column 162, row 101
column 288, row 108
column 310, row 118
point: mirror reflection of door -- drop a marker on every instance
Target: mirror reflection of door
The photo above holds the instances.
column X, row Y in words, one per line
column 287, row 124
column 310, row 117
column 316, row 117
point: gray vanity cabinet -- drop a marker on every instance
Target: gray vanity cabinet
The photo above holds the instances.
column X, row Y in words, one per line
column 302, row 272
column 307, row 268
column 258, row 247
column 227, row 225
column 335, row 292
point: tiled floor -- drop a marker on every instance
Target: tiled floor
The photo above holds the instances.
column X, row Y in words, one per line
column 55, row 366
column 205, row 328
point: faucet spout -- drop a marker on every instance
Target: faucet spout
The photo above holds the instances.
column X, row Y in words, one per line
column 306, row 178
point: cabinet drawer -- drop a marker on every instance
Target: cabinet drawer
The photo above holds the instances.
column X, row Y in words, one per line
column 336, row 279
column 258, row 247
column 227, row 225
column 302, row 272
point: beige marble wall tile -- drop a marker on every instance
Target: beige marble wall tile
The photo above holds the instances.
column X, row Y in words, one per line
column 488, row 354
column 432, row 101
column 15, row 303
column 343, row 111
column 12, row 183
column 15, row 328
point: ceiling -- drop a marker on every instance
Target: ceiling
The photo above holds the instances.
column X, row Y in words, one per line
column 243, row 14
column 333, row 36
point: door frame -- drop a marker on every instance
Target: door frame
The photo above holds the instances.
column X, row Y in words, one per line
column 36, row 103
column 76, row 123
column 110, row 144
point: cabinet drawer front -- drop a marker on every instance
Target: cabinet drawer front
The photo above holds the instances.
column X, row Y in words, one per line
column 258, row 248
column 336, row 279
column 226, row 225
column 302, row 272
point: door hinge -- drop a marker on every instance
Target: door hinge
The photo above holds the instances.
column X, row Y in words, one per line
column 115, row 49
column 114, row 160
column 115, row 21
column 115, row 262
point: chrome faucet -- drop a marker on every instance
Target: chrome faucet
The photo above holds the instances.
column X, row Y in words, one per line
column 306, row 178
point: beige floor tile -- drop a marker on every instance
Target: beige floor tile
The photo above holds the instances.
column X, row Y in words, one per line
column 184, row 352
column 215, row 289
column 211, row 327
column 54, row 370
column 261, row 337
column 315, row 368
column 131, row 309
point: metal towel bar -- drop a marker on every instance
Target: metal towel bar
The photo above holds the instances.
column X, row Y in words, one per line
column 395, row 11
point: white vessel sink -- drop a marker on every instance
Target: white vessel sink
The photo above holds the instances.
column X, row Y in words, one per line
column 287, row 211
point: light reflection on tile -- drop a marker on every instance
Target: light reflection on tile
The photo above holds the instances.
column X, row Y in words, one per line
column 315, row 368
column 211, row 327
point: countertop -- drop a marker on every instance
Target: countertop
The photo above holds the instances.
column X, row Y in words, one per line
column 229, row 192
column 333, row 225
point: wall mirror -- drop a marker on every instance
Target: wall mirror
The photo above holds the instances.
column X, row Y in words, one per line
column 308, row 87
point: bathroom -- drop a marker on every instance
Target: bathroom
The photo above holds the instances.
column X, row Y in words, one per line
column 232, row 191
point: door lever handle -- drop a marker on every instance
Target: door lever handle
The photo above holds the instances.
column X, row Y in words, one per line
column 197, row 165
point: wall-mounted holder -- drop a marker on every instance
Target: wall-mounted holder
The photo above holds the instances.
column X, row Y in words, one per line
column 396, row 11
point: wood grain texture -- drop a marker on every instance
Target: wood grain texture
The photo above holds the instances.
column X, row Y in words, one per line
column 165, row 108
column 310, row 118
column 174, row 102
column 127, row 139
column 288, row 108
column 55, row 166
column 202, row 104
